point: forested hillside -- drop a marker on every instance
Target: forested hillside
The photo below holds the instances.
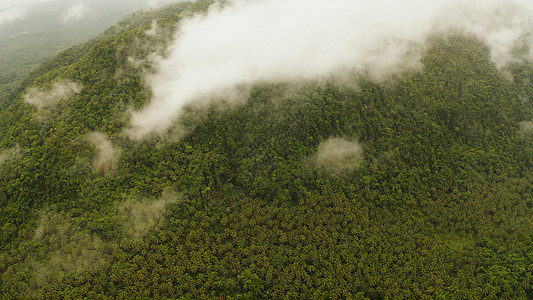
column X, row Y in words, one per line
column 416, row 186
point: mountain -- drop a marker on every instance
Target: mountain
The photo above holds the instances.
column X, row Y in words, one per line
column 415, row 186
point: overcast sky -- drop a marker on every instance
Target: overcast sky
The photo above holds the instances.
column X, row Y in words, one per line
column 8, row 3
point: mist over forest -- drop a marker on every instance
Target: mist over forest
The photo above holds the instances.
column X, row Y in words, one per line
column 34, row 31
column 266, row 149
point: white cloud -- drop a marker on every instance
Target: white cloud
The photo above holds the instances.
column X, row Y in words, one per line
column 12, row 14
column 11, row 154
column 525, row 128
column 139, row 217
column 247, row 42
column 43, row 99
column 338, row 156
column 107, row 156
column 75, row 12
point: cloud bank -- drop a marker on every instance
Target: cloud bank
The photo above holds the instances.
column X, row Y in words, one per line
column 12, row 14
column 245, row 42
column 43, row 99
column 75, row 12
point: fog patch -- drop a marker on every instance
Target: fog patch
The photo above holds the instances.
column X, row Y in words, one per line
column 65, row 245
column 71, row 250
column 10, row 154
column 246, row 42
column 525, row 128
column 75, row 12
column 142, row 54
column 48, row 98
column 140, row 216
column 150, row 47
column 154, row 30
column 107, row 156
column 337, row 156
column 12, row 14
column 161, row 3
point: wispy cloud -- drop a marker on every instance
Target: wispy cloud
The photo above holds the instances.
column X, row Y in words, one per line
column 75, row 12
column 107, row 156
column 245, row 42
column 139, row 217
column 161, row 3
column 7, row 155
column 43, row 99
column 525, row 128
column 337, row 156
column 12, row 14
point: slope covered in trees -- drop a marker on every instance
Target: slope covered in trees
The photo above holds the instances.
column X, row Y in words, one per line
column 252, row 200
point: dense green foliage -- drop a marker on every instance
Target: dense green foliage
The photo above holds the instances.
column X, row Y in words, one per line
column 439, row 207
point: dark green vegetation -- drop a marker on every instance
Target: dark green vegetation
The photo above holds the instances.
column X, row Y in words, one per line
column 440, row 207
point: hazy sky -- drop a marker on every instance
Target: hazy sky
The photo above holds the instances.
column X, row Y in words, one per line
column 8, row 3
column 149, row 3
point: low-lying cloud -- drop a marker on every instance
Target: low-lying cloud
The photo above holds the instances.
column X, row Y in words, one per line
column 107, row 156
column 338, row 156
column 139, row 217
column 245, row 42
column 48, row 98
column 62, row 246
column 10, row 154
column 70, row 250
column 161, row 3
column 12, row 14
column 75, row 12
column 153, row 31
column 525, row 128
